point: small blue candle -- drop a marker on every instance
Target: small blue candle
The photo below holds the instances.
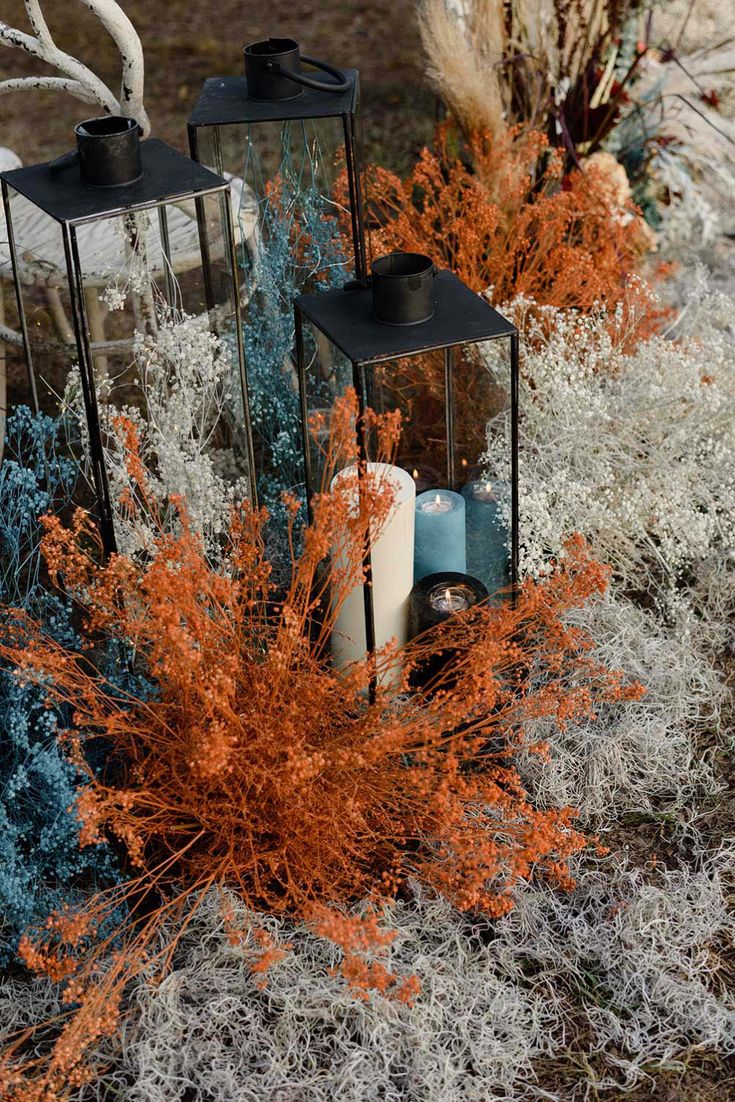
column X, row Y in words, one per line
column 439, row 543
column 488, row 551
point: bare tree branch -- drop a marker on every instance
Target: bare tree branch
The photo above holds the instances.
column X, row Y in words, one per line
column 38, row 23
column 77, row 78
column 52, row 55
column 58, row 84
column 125, row 37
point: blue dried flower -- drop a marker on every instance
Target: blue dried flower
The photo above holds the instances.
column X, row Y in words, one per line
column 41, row 863
column 299, row 247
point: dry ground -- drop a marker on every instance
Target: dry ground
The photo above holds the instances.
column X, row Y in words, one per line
column 185, row 42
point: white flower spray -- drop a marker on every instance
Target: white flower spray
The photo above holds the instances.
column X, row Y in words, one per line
column 635, row 450
column 186, row 378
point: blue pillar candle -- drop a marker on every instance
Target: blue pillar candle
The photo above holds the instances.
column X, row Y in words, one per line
column 488, row 538
column 439, row 533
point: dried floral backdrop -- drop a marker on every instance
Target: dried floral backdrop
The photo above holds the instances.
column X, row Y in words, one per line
column 204, row 970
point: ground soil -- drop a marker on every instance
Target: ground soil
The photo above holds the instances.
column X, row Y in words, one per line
column 186, row 42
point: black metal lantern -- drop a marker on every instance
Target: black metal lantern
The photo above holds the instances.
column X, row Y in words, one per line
column 421, row 341
column 76, row 226
column 285, row 134
column 276, row 116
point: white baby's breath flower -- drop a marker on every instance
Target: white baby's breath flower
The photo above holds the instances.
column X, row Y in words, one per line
column 184, row 374
column 635, row 450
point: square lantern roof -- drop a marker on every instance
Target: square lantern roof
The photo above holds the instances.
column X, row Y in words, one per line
column 460, row 317
column 224, row 100
column 168, row 176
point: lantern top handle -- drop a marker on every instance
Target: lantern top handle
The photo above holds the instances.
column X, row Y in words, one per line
column 273, row 71
column 403, row 288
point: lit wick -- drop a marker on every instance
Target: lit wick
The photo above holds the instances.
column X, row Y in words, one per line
column 438, row 505
column 483, row 491
column 425, row 478
column 454, row 598
column 434, row 600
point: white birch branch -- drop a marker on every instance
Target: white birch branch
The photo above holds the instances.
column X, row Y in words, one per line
column 38, row 24
column 78, row 79
column 125, row 37
column 65, row 63
column 54, row 84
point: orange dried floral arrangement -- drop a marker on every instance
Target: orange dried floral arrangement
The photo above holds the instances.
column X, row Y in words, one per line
column 256, row 766
column 506, row 217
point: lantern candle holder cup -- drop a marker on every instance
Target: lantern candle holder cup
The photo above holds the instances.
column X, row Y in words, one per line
column 273, row 71
column 107, row 153
column 403, row 288
column 433, row 600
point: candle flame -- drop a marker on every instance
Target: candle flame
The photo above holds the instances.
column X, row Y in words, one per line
column 415, row 473
column 489, row 487
column 447, row 596
column 437, row 499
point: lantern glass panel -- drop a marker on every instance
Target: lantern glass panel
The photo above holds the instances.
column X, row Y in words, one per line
column 43, row 288
column 328, row 374
column 135, row 269
column 289, row 168
column 447, row 399
column 481, row 462
column 416, row 387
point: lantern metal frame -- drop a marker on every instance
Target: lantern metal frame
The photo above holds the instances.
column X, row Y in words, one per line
column 460, row 318
column 224, row 101
column 168, row 177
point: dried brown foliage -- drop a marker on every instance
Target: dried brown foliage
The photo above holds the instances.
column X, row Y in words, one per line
column 555, row 65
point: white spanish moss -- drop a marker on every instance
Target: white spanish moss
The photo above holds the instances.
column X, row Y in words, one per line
column 632, row 952
column 634, row 756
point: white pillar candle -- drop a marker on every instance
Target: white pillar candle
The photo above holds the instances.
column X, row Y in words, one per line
column 392, row 572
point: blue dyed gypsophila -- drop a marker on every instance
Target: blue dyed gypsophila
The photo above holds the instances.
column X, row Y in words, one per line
column 297, row 247
column 41, row 863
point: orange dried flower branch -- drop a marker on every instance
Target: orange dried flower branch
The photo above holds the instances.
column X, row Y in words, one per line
column 256, row 766
column 511, row 221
